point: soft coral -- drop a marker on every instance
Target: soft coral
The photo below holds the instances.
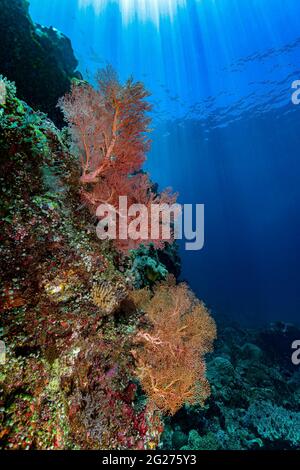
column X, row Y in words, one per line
column 171, row 365
column 109, row 126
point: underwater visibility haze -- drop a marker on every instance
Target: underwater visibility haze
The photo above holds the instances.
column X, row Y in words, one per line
column 136, row 342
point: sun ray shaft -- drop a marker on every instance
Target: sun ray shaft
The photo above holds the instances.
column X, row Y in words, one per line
column 143, row 9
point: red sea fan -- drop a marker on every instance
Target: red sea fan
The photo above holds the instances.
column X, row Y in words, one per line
column 138, row 191
column 109, row 126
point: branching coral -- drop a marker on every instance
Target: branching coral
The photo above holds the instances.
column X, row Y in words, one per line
column 171, row 364
column 274, row 423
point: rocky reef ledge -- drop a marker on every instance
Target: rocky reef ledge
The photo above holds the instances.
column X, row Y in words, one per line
column 39, row 60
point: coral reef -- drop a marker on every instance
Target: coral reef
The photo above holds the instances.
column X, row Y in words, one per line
column 274, row 423
column 108, row 296
column 71, row 317
column 146, row 268
column 74, row 367
column 104, row 349
column 254, row 402
column 39, row 60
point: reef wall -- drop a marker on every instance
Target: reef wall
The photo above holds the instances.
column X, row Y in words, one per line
column 39, row 60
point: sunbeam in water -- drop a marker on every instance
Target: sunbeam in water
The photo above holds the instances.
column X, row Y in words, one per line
column 143, row 9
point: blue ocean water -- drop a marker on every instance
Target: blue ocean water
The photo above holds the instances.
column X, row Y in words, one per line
column 226, row 133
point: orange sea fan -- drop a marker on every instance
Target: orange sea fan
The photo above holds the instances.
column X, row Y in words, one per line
column 171, row 365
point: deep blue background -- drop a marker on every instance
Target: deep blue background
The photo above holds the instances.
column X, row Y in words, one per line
column 225, row 134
